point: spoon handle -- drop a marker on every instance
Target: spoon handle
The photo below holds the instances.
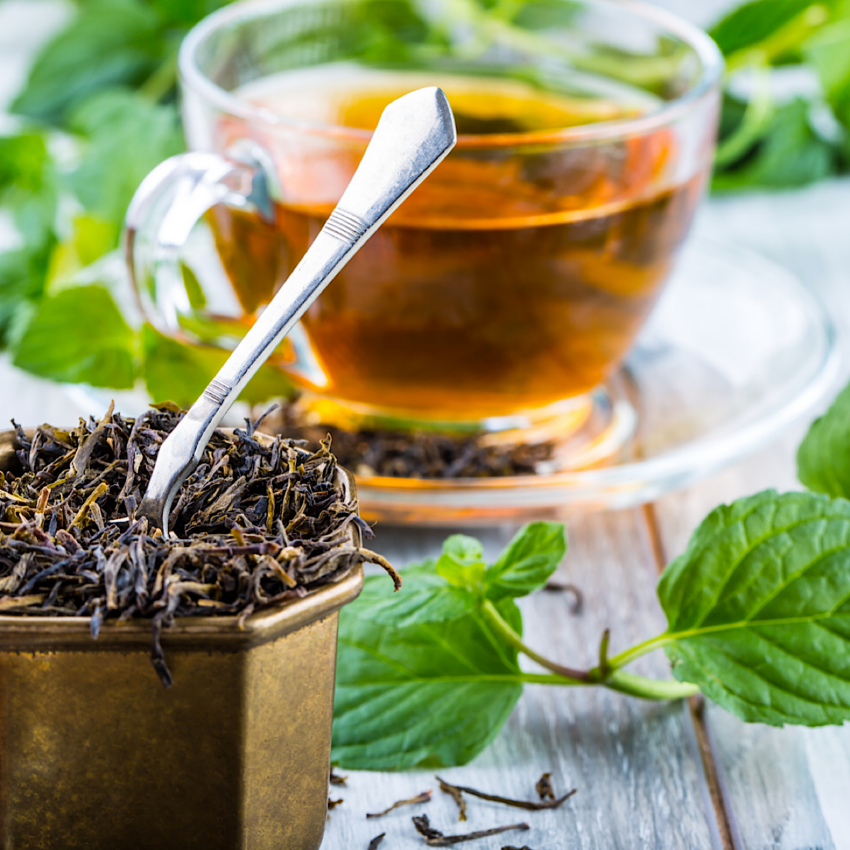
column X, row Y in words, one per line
column 414, row 135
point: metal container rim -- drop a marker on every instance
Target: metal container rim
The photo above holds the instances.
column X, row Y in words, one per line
column 18, row 633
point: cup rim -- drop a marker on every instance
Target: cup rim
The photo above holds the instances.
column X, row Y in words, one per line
column 194, row 79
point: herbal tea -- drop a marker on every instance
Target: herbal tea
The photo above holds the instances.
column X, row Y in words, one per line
column 516, row 276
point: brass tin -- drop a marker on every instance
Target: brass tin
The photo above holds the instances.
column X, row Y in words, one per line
column 95, row 753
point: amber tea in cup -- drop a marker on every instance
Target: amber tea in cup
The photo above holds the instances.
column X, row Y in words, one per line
column 516, row 278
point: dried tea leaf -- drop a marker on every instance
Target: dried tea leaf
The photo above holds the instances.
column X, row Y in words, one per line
column 457, row 796
column 416, row 454
column 565, row 587
column 424, row 797
column 544, row 787
column 336, row 779
column 435, row 838
column 376, row 841
column 529, row 805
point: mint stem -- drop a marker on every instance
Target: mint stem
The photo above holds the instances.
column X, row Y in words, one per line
column 626, row 683
column 656, row 689
column 624, row 658
column 494, row 618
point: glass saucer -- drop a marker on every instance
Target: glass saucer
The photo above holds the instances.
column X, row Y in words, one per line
column 736, row 350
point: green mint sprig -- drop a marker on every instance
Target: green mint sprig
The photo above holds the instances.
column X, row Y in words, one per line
column 757, row 607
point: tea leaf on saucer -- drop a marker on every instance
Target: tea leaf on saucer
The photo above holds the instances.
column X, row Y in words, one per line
column 759, row 609
column 528, row 561
column 431, row 694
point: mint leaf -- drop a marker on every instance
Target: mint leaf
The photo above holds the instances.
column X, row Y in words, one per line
column 428, row 694
column 828, row 52
column 528, row 561
column 78, row 335
column 463, row 549
column 789, row 153
column 462, row 562
column 28, row 186
column 823, row 459
column 109, row 43
column 186, row 12
column 426, row 597
column 22, row 277
column 759, row 609
column 127, row 137
column 178, row 372
column 753, row 22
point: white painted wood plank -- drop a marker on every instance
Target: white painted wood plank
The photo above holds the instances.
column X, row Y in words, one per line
column 633, row 762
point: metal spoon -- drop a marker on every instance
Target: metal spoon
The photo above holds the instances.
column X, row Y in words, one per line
column 414, row 135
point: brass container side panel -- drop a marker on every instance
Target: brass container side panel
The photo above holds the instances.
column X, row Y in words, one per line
column 95, row 753
column 289, row 690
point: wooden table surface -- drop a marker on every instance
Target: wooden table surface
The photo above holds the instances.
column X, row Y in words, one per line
column 648, row 775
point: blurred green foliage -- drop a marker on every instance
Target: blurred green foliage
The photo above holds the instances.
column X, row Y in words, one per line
column 105, row 87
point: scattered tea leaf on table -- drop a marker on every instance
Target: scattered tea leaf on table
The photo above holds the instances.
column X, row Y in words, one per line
column 421, row 694
column 435, row 838
column 544, row 787
column 823, row 459
column 424, row 797
column 528, row 805
column 759, row 609
column 457, row 795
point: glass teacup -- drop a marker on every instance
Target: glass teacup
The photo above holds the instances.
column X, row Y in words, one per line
column 515, row 279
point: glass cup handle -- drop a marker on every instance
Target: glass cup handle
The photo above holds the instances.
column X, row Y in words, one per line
column 168, row 204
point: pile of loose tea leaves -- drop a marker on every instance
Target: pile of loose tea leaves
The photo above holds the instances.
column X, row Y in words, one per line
column 260, row 521
column 416, row 454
